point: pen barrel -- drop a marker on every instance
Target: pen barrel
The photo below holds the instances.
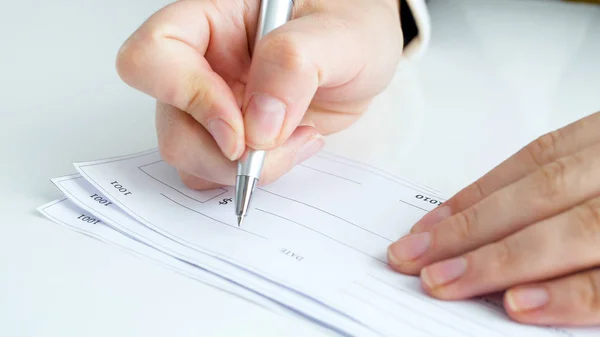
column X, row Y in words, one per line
column 273, row 14
column 251, row 163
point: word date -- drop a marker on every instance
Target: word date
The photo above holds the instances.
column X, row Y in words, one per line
column 291, row 254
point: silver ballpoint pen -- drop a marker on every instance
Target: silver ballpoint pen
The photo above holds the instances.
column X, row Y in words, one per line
column 273, row 13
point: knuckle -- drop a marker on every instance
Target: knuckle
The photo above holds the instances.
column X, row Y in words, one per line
column 552, row 180
column 464, row 225
column 128, row 62
column 587, row 217
column 545, row 148
column 138, row 65
column 503, row 254
column 285, row 51
column 199, row 102
column 475, row 190
column 588, row 291
column 133, row 56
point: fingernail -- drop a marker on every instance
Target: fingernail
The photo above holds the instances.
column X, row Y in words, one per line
column 264, row 119
column 431, row 219
column 308, row 149
column 225, row 137
column 410, row 247
column 443, row 272
column 526, row 298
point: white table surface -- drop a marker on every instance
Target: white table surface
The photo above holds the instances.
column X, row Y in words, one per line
column 497, row 75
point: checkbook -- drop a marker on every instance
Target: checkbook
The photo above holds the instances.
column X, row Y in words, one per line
column 313, row 245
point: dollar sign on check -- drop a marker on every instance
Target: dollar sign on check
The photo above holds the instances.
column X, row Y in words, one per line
column 225, row 201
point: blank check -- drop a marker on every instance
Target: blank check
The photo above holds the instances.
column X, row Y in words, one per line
column 314, row 243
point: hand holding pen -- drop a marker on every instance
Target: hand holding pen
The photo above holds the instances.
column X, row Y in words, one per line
column 222, row 90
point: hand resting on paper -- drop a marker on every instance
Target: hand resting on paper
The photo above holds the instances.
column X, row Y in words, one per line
column 313, row 76
column 529, row 228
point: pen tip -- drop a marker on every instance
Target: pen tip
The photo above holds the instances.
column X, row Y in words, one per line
column 240, row 219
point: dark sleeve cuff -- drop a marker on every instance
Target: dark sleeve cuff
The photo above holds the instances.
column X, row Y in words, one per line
column 409, row 25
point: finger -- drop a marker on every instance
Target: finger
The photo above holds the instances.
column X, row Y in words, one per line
column 552, row 189
column 544, row 150
column 185, row 144
column 304, row 142
column 328, row 120
column 573, row 300
column 165, row 59
column 558, row 246
column 289, row 65
column 196, row 183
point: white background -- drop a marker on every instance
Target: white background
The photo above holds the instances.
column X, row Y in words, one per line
column 497, row 75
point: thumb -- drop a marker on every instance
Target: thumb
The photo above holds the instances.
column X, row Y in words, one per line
column 290, row 64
